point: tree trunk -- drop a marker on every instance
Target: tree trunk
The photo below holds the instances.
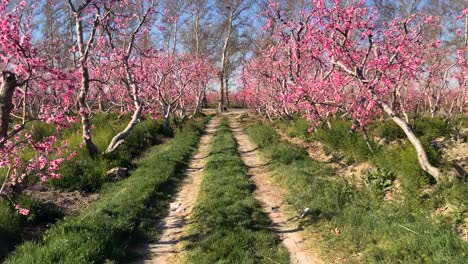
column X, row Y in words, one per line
column 167, row 121
column 183, row 115
column 100, row 103
column 167, row 115
column 176, row 31
column 367, row 139
column 226, row 80
column 221, row 93
column 422, row 157
column 222, row 72
column 466, row 30
column 197, row 39
column 84, row 113
column 119, row 139
column 7, row 89
column 85, row 80
column 198, row 105
column 196, row 110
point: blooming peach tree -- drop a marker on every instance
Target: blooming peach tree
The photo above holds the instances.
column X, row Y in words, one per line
column 31, row 88
column 335, row 59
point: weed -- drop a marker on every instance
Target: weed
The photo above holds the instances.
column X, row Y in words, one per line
column 379, row 180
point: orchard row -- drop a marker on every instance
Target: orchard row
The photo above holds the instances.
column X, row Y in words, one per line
column 108, row 67
column 337, row 59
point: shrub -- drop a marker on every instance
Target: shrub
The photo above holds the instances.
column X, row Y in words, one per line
column 12, row 224
column 387, row 130
column 431, row 128
column 82, row 173
column 298, row 127
column 9, row 221
column 339, row 138
column 40, row 130
column 144, row 135
column 39, row 213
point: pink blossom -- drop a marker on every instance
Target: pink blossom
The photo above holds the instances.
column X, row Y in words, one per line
column 22, row 211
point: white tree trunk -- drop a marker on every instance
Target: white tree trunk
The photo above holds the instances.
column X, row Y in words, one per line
column 222, row 72
column 85, row 80
column 422, row 157
column 119, row 139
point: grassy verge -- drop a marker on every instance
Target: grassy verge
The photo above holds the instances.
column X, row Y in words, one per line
column 101, row 233
column 355, row 223
column 87, row 174
column 82, row 173
column 229, row 226
column 395, row 158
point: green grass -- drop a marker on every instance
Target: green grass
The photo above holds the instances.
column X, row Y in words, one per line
column 81, row 173
column 229, row 226
column 398, row 158
column 102, row 231
column 378, row 230
column 89, row 174
column 298, row 127
column 10, row 222
column 85, row 173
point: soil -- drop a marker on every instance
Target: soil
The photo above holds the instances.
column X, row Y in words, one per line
column 455, row 155
column 169, row 246
column 315, row 148
column 70, row 203
column 462, row 231
column 271, row 197
column 352, row 173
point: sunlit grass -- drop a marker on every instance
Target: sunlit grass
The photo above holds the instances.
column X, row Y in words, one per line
column 380, row 232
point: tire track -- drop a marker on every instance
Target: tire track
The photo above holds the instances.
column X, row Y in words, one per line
column 169, row 247
column 271, row 197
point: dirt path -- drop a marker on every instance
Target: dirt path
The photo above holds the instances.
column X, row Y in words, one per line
column 166, row 249
column 271, row 197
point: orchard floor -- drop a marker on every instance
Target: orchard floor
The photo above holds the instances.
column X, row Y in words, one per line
column 169, row 247
column 303, row 246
